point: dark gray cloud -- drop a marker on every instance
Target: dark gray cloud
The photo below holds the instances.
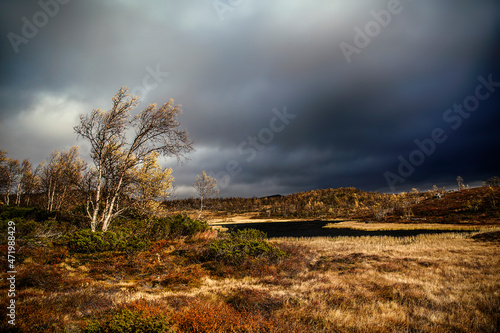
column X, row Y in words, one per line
column 353, row 119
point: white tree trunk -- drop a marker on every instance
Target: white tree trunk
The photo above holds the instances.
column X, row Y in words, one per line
column 93, row 221
column 18, row 194
column 108, row 211
column 201, row 207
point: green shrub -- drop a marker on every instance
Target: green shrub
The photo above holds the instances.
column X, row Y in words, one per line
column 183, row 225
column 35, row 224
column 160, row 229
column 156, row 229
column 23, row 227
column 249, row 234
column 242, row 245
column 126, row 321
column 11, row 212
column 135, row 226
column 86, row 241
column 29, row 230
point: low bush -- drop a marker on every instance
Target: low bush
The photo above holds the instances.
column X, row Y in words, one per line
column 29, row 213
column 39, row 314
column 86, row 241
column 156, row 229
column 127, row 320
column 42, row 255
column 46, row 277
column 33, row 230
column 183, row 278
column 203, row 316
column 23, row 228
column 183, row 225
column 252, row 300
column 242, row 245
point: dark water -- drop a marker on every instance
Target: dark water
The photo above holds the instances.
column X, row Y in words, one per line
column 315, row 229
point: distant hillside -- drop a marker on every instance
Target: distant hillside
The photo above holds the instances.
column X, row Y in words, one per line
column 477, row 205
column 470, row 205
column 324, row 203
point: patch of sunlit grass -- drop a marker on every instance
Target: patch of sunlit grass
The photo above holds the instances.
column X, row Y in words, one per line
column 375, row 226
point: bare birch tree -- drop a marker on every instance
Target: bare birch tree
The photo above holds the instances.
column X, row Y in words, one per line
column 30, row 180
column 60, row 176
column 460, row 183
column 206, row 187
column 9, row 175
column 24, row 170
column 156, row 129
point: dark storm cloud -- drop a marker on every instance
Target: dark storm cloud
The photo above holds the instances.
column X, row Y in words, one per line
column 352, row 119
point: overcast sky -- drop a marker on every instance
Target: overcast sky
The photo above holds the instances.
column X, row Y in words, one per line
column 279, row 96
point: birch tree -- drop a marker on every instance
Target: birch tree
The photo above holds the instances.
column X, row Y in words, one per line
column 60, row 176
column 30, row 181
column 3, row 172
column 206, row 187
column 9, row 175
column 24, row 171
column 115, row 153
column 460, row 182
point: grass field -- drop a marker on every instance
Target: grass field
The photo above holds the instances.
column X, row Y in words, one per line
column 433, row 283
column 378, row 226
column 428, row 283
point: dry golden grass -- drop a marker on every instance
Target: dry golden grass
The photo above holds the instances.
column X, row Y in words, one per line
column 374, row 226
column 430, row 283
column 427, row 283
column 433, row 283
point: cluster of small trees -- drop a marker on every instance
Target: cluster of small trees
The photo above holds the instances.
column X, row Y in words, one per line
column 124, row 171
column 13, row 177
column 48, row 185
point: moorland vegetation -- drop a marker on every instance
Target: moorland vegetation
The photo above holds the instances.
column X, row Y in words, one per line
column 99, row 247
